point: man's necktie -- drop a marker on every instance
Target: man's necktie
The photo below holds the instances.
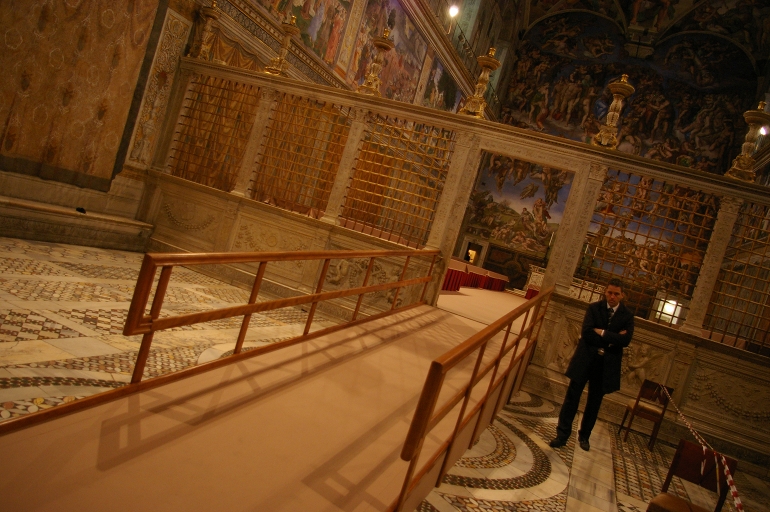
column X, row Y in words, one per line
column 610, row 312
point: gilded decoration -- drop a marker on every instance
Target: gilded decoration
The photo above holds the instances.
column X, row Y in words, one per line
column 176, row 29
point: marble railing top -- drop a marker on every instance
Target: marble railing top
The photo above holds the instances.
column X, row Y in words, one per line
column 491, row 136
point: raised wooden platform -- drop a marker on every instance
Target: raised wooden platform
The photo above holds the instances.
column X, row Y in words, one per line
column 317, row 426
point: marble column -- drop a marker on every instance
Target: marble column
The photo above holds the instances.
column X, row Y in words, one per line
column 454, row 197
column 712, row 261
column 450, row 211
column 173, row 111
column 267, row 101
column 357, row 133
column 568, row 244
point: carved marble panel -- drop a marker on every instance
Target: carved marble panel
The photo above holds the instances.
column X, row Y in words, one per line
column 565, row 342
column 643, row 361
column 176, row 30
column 184, row 218
column 737, row 399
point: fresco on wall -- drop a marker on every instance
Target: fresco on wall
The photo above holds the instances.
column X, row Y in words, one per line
column 441, row 91
column 401, row 66
column 539, row 8
column 517, row 205
column 747, row 22
column 69, row 73
column 654, row 14
column 688, row 104
column 321, row 22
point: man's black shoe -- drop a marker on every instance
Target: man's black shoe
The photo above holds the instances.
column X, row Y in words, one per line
column 557, row 442
column 584, row 443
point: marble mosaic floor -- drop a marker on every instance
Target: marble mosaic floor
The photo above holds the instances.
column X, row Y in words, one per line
column 62, row 311
column 512, row 468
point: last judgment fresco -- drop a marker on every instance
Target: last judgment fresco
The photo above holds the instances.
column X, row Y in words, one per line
column 518, row 205
column 689, row 99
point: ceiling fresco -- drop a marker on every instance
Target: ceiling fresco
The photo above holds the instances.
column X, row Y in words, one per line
column 745, row 23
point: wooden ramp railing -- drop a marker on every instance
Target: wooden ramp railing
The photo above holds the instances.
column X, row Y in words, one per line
column 474, row 381
column 370, row 378
column 139, row 322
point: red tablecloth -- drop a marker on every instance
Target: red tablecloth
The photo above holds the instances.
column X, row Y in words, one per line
column 531, row 292
column 453, row 280
column 460, row 274
column 474, row 280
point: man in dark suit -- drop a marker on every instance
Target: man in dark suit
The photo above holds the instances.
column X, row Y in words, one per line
column 607, row 330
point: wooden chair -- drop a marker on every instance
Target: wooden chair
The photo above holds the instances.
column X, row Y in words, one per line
column 687, row 465
column 651, row 404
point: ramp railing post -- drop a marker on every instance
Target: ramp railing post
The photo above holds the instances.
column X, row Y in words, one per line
column 252, row 300
column 157, row 303
column 318, row 289
column 366, row 282
column 401, row 278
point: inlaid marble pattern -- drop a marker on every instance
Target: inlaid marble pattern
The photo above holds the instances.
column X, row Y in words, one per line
column 62, row 313
column 26, row 267
column 512, row 468
column 33, row 289
column 638, row 472
column 23, row 324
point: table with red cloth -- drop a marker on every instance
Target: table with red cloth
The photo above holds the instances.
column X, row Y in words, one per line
column 455, row 277
column 531, row 292
column 460, row 273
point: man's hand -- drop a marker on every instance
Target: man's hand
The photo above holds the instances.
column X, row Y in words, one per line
column 623, row 332
column 599, row 331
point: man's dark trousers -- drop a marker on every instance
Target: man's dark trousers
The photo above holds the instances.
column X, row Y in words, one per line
column 572, row 400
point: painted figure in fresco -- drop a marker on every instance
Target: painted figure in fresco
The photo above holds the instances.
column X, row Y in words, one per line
column 541, row 215
column 666, row 119
column 664, row 8
column 529, row 191
column 336, row 35
column 315, row 23
column 539, row 106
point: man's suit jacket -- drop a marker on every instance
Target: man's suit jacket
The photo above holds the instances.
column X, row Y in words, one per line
column 612, row 342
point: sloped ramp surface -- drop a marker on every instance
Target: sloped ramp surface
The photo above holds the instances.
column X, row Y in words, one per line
column 314, row 427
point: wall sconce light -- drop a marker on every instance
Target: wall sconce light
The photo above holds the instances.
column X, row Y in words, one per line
column 452, row 13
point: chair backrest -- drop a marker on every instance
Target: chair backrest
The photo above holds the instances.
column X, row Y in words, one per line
column 687, row 464
column 653, row 392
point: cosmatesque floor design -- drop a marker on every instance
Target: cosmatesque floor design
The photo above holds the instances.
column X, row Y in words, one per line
column 512, row 468
column 62, row 310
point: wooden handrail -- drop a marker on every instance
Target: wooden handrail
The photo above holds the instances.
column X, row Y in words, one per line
column 504, row 379
column 137, row 322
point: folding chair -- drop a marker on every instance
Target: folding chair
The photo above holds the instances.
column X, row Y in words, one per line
column 687, row 465
column 651, row 404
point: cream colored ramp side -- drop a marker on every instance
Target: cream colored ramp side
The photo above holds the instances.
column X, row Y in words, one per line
column 316, row 427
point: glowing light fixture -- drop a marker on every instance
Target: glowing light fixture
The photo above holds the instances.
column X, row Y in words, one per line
column 763, row 131
column 669, row 311
column 453, row 11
